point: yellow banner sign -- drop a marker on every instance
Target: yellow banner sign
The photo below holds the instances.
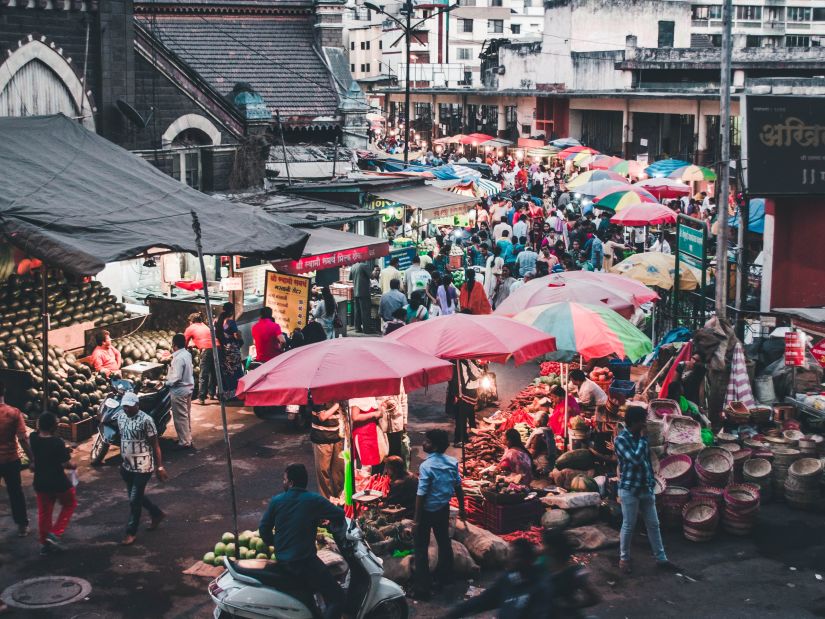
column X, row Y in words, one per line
column 288, row 296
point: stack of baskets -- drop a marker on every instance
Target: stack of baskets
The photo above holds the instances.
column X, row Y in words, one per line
column 737, row 413
column 700, row 520
column 793, row 436
column 741, row 508
column 677, row 470
column 760, row 415
column 783, row 458
column 682, row 430
column 656, row 434
column 757, row 471
column 739, row 459
column 713, row 467
column 808, row 447
column 803, row 484
column 670, row 505
column 708, row 493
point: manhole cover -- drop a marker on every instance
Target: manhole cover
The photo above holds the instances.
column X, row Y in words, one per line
column 46, row 591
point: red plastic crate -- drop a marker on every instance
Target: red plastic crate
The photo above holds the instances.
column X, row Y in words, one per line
column 508, row 518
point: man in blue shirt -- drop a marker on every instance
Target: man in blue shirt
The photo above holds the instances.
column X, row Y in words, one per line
column 438, row 481
column 636, row 488
column 505, row 245
column 295, row 515
column 526, row 261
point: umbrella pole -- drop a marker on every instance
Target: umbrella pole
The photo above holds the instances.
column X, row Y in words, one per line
column 196, row 226
column 349, row 459
column 565, row 369
column 44, row 312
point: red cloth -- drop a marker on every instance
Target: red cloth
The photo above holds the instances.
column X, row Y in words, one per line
column 11, row 426
column 266, row 332
column 475, row 302
column 201, row 335
column 188, row 284
column 45, row 512
column 684, row 355
column 366, row 442
column 557, row 417
column 106, row 359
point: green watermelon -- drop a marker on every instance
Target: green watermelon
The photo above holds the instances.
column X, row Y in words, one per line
column 582, row 483
column 579, row 459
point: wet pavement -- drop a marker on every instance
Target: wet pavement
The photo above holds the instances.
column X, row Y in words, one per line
column 774, row 573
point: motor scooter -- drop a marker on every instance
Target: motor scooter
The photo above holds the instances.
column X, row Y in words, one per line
column 258, row 589
column 155, row 401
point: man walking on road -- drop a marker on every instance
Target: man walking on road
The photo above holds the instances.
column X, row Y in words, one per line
column 198, row 333
column 636, row 488
column 438, row 481
column 12, row 430
column 181, row 383
column 140, row 451
column 360, row 276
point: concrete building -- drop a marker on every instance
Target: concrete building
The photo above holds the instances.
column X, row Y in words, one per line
column 628, row 78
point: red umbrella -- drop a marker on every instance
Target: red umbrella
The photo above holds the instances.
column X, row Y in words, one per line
column 340, row 369
column 551, row 289
column 644, row 214
column 475, row 138
column 604, row 162
column 664, row 188
column 486, row 338
column 625, row 285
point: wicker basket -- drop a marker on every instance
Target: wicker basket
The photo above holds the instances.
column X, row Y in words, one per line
column 757, row 469
column 700, row 520
column 677, row 470
column 681, row 430
column 662, row 407
column 792, row 436
column 714, row 466
column 806, row 468
column 688, row 449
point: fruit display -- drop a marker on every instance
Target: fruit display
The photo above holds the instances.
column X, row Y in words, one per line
column 601, row 375
column 251, row 546
column 152, row 345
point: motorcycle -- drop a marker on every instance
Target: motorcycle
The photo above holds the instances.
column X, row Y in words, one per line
column 156, row 403
column 258, row 589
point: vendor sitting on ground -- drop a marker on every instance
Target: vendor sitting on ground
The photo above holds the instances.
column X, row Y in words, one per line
column 542, row 448
column 557, row 418
column 403, row 486
column 516, row 459
column 590, row 395
column 105, row 357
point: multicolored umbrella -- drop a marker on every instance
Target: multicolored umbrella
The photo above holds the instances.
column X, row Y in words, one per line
column 640, row 293
column 604, row 162
column 644, row 214
column 553, row 289
column 592, row 331
column 653, row 268
column 595, row 175
column 582, row 158
column 486, row 338
column 664, row 167
column 616, row 200
column 692, row 174
column 595, row 188
column 630, row 167
column 664, row 188
column 572, row 150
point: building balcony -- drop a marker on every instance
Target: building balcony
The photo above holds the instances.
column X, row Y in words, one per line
column 709, row 58
column 774, row 26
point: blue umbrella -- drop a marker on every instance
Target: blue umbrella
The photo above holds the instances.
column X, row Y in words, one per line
column 664, row 167
column 565, row 143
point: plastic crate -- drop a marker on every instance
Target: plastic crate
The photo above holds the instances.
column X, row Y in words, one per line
column 620, row 368
column 623, row 387
column 500, row 519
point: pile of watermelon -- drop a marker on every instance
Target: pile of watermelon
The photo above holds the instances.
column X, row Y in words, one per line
column 250, row 545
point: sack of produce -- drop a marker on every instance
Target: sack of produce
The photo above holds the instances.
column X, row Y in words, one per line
column 580, row 459
column 487, row 549
column 573, row 500
column 398, row 570
column 463, row 563
column 555, row 519
column 583, row 515
column 593, row 537
column 563, row 478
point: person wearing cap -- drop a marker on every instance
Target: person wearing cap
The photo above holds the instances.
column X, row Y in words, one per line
column 140, row 452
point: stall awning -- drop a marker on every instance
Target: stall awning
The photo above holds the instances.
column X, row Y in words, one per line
column 328, row 248
column 434, row 202
column 496, row 143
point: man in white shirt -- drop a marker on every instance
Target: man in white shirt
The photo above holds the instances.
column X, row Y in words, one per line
column 661, row 244
column 495, row 168
column 416, row 278
column 181, row 383
column 389, row 273
column 501, row 227
column 590, row 395
column 521, row 227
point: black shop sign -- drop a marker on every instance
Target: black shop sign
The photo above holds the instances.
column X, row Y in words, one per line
column 785, row 145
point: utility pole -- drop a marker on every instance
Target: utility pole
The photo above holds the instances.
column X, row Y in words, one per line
column 724, row 163
column 408, row 8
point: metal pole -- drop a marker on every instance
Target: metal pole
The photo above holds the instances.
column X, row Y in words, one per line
column 742, row 243
column 724, row 162
column 409, row 8
column 44, row 313
column 335, row 156
column 196, row 226
column 283, row 149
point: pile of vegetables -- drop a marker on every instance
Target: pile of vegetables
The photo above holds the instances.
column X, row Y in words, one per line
column 532, row 535
column 601, row 375
column 548, row 379
column 481, row 451
column 251, row 546
column 580, row 422
column 518, row 416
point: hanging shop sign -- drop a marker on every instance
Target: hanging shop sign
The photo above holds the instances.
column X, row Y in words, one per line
column 818, row 351
column 288, row 296
column 405, row 257
column 794, row 348
column 784, row 145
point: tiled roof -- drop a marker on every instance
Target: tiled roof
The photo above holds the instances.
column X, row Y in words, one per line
column 272, row 53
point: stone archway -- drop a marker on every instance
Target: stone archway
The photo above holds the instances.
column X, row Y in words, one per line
column 191, row 121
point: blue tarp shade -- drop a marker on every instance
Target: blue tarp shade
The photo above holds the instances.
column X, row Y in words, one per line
column 77, row 201
column 756, row 217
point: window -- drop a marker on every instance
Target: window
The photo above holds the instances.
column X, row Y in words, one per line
column 666, row 33
column 526, row 129
column 716, row 40
column 367, row 44
column 515, row 28
column 511, row 115
column 467, row 2
column 352, row 45
column 368, row 67
column 380, row 44
column 496, row 3
column 704, row 11
column 465, row 25
column 362, row 45
column 495, row 26
column 186, row 167
column 748, row 12
column 798, row 13
column 819, row 14
column 753, row 41
column 363, row 67
column 352, row 68
column 797, row 41
column 464, row 53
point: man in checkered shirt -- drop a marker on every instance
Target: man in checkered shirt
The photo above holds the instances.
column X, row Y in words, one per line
column 636, row 488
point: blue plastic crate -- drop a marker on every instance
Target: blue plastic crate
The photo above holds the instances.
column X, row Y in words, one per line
column 623, row 387
column 620, row 368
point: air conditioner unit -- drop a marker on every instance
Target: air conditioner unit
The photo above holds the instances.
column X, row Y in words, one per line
column 500, row 70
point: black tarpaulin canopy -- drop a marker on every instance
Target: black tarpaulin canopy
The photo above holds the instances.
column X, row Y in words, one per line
column 77, row 201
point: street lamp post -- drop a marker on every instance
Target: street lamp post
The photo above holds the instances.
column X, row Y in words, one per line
column 408, row 28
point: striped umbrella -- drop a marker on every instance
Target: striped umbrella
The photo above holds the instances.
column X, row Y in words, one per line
column 692, row 174
column 572, row 150
column 595, row 188
column 595, row 175
column 644, row 214
column 592, row 331
column 664, row 187
column 616, row 200
column 629, row 167
column 665, row 167
column 605, row 162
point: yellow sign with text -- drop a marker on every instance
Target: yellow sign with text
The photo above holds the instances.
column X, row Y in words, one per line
column 288, row 296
